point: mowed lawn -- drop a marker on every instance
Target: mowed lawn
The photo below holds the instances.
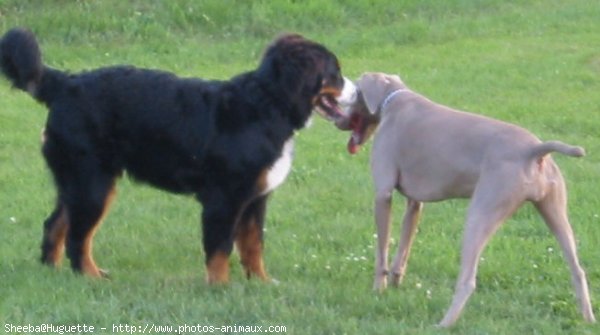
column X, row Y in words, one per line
column 533, row 63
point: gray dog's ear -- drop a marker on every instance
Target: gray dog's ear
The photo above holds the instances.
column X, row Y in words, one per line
column 396, row 78
column 371, row 100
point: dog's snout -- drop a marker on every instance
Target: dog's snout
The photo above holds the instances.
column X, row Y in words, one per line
column 349, row 93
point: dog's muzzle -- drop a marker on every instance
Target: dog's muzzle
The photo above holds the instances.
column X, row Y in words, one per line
column 348, row 95
column 333, row 104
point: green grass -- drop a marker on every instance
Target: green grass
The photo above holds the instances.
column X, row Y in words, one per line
column 534, row 63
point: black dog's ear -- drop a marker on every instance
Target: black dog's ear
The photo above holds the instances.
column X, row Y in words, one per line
column 268, row 66
column 283, row 69
column 276, row 66
column 274, row 57
column 287, row 58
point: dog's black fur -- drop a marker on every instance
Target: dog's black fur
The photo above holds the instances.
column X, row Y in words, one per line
column 213, row 139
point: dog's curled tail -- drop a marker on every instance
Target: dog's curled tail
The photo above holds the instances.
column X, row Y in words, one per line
column 557, row 146
column 20, row 59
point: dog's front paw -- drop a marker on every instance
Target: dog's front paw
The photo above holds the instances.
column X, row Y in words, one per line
column 396, row 279
column 380, row 283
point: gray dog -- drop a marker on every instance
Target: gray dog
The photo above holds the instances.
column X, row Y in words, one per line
column 429, row 152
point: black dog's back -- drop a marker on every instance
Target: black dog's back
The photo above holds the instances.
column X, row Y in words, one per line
column 150, row 123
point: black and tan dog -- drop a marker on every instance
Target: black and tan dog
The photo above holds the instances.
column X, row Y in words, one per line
column 229, row 143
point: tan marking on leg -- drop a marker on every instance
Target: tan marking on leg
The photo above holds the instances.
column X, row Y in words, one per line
column 250, row 247
column 262, row 182
column 88, row 265
column 217, row 268
column 57, row 237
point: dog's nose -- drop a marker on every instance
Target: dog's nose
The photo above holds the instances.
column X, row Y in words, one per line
column 349, row 93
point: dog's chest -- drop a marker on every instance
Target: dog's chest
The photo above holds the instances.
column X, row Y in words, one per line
column 276, row 174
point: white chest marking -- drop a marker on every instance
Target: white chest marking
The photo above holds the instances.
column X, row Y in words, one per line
column 281, row 168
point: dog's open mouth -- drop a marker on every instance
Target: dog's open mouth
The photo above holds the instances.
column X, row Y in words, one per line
column 357, row 124
column 358, row 133
column 359, row 121
column 331, row 103
column 327, row 106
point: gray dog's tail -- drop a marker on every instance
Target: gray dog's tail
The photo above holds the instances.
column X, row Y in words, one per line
column 557, row 146
column 20, row 59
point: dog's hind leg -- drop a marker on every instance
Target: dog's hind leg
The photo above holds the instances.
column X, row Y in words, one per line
column 553, row 208
column 493, row 201
column 409, row 228
column 249, row 238
column 87, row 200
column 55, row 232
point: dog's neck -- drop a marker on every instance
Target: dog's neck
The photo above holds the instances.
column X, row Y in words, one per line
column 389, row 98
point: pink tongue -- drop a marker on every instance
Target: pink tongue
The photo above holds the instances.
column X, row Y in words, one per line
column 356, row 125
column 352, row 145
